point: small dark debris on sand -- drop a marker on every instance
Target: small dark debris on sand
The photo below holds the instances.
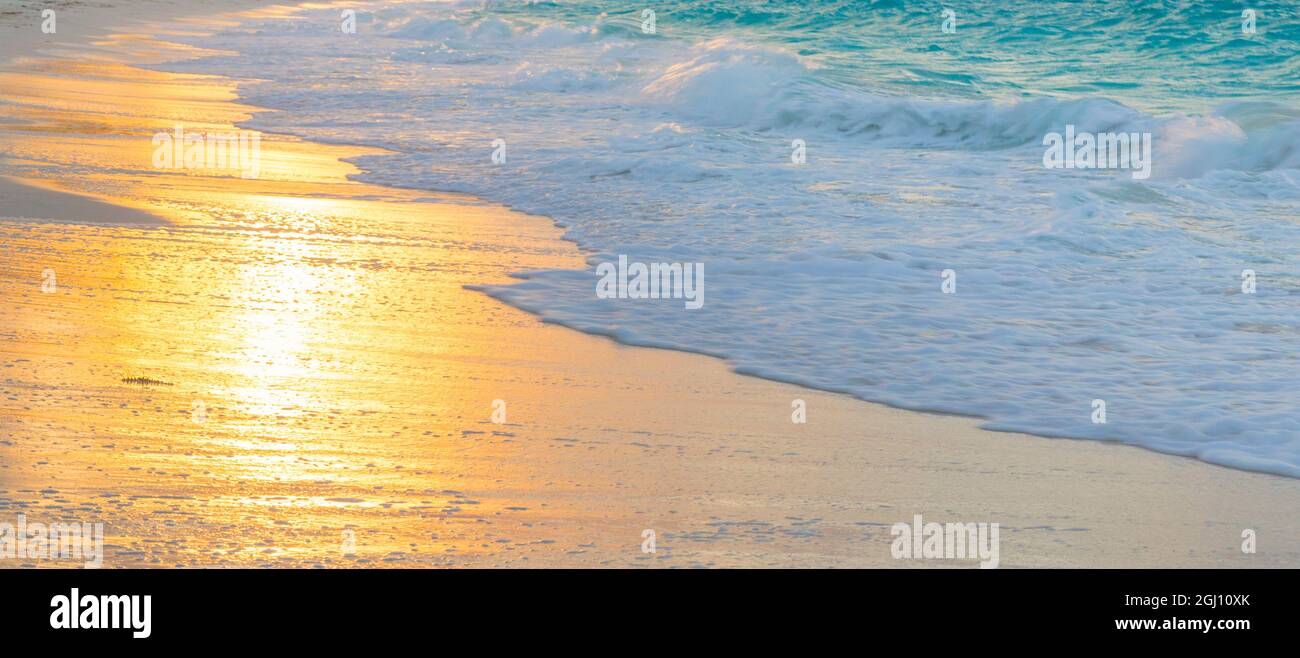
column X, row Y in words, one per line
column 144, row 381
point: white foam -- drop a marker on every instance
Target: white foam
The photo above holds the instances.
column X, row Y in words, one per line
column 1071, row 285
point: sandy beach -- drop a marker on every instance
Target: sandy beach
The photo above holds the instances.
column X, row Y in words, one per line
column 291, row 372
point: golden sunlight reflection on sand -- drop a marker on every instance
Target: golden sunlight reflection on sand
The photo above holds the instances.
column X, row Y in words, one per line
column 302, row 324
column 318, row 386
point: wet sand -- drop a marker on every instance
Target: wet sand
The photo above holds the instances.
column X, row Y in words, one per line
column 324, row 388
column 40, row 203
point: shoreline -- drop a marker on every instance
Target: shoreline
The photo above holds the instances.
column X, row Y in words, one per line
column 632, row 437
column 26, row 201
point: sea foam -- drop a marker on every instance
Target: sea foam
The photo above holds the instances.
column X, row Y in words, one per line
column 1071, row 286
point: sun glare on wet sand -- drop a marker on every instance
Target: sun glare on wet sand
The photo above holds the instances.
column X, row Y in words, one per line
column 262, row 362
column 275, row 349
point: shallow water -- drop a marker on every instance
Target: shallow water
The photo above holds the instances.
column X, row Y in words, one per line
column 923, row 154
column 276, row 372
column 290, row 371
